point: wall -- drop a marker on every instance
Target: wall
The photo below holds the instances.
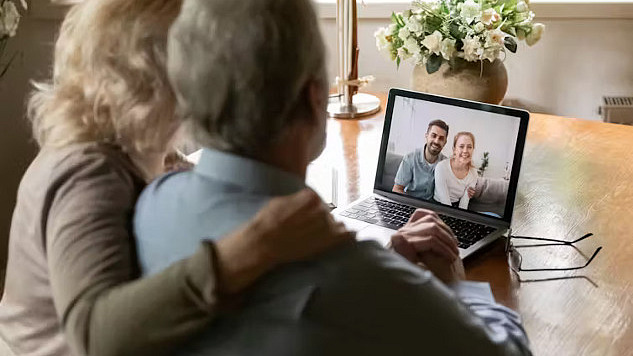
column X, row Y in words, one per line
column 566, row 73
column 33, row 43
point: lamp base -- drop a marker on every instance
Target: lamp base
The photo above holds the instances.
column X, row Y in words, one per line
column 362, row 105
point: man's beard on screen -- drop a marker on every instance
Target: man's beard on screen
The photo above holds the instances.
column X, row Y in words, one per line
column 434, row 149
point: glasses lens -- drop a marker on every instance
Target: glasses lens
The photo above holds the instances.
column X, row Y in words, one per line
column 514, row 259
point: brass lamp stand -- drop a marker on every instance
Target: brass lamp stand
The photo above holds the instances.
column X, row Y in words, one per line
column 350, row 104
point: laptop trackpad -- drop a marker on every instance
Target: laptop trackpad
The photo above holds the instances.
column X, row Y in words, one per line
column 377, row 233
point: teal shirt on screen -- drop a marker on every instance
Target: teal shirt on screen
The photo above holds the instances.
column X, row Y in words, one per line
column 417, row 175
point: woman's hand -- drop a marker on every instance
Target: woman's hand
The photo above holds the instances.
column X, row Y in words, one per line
column 176, row 161
column 471, row 192
column 287, row 229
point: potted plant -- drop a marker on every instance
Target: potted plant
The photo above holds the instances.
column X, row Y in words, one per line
column 458, row 46
column 484, row 164
column 9, row 21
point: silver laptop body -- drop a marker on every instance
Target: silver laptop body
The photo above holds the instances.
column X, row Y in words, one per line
column 485, row 120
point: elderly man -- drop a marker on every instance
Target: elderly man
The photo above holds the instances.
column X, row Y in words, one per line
column 416, row 173
column 250, row 78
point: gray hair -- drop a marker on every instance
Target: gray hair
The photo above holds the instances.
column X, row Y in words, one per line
column 240, row 69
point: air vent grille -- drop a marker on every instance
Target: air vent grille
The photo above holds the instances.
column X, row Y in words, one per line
column 617, row 109
column 618, row 100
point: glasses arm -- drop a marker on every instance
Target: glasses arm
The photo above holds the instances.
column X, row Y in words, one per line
column 553, row 240
column 565, row 268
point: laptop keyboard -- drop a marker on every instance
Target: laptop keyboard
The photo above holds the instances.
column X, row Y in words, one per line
column 395, row 215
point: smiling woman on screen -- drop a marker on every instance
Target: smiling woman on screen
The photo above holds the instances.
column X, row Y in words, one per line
column 454, row 176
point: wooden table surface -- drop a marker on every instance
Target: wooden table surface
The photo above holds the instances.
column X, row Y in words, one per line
column 576, row 177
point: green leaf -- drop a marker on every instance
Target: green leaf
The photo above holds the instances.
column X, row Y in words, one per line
column 433, row 64
column 455, row 31
column 433, row 24
column 394, row 18
column 444, row 8
column 459, row 45
column 509, row 30
column 397, row 62
column 510, row 44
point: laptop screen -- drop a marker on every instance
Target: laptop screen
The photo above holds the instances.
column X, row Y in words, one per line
column 457, row 153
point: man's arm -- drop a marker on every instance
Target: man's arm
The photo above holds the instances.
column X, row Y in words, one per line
column 403, row 176
column 476, row 321
column 403, row 307
column 500, row 329
column 503, row 325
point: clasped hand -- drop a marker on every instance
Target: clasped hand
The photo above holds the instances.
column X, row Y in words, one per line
column 428, row 242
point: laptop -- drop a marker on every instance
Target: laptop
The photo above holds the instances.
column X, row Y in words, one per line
column 478, row 215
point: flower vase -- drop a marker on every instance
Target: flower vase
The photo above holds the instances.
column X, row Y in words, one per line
column 477, row 81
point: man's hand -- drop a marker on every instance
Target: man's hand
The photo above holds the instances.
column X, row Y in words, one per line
column 447, row 272
column 425, row 232
column 426, row 240
column 287, row 229
column 397, row 188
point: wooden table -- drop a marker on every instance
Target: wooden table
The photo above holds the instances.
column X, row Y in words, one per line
column 576, row 177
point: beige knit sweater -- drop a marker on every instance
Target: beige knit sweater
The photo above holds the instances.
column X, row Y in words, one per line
column 71, row 283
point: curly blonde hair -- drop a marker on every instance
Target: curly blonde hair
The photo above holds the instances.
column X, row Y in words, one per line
column 109, row 78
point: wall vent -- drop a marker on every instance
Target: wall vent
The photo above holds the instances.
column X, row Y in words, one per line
column 617, row 109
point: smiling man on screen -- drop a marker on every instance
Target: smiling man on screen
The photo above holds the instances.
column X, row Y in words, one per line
column 416, row 173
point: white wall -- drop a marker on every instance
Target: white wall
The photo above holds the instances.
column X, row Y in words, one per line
column 494, row 133
column 566, row 73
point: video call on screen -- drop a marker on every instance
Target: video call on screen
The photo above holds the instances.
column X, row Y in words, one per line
column 468, row 167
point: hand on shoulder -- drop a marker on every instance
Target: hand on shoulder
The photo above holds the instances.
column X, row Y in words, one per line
column 288, row 229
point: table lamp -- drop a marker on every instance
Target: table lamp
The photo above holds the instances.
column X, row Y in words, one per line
column 349, row 103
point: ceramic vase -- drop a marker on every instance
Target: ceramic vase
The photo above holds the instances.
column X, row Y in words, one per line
column 478, row 81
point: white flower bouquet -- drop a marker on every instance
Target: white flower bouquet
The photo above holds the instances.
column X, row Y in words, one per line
column 434, row 31
column 9, row 21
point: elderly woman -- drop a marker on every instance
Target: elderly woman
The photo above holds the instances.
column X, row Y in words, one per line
column 104, row 125
column 455, row 178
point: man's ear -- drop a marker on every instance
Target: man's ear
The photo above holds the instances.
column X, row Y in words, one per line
column 317, row 99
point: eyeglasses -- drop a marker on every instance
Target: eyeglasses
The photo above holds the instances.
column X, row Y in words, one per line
column 515, row 259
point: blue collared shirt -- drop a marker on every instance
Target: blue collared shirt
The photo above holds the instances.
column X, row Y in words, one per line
column 417, row 175
column 356, row 299
column 221, row 192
